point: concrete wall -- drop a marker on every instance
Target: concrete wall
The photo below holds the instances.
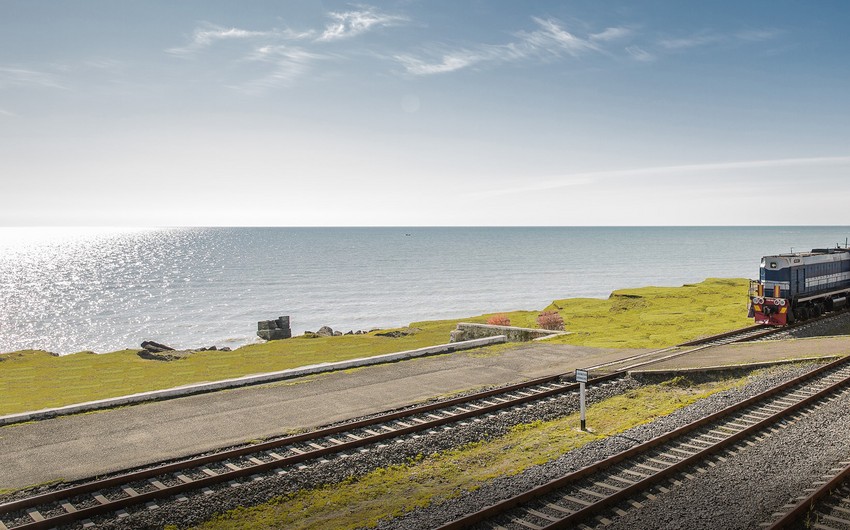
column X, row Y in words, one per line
column 199, row 388
column 468, row 331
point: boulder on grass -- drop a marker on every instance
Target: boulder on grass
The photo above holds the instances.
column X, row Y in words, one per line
column 155, row 347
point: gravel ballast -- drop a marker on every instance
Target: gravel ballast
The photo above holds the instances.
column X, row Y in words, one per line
column 745, row 488
column 200, row 507
column 836, row 325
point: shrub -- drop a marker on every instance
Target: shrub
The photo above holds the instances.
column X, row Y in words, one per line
column 499, row 320
column 550, row 320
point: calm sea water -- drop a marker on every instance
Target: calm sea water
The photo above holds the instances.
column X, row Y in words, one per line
column 67, row 290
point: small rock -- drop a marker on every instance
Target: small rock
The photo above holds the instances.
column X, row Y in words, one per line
column 325, row 331
column 155, row 347
column 166, row 355
column 398, row 333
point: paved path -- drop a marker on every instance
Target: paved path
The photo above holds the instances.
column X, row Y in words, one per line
column 80, row 446
column 84, row 445
column 759, row 352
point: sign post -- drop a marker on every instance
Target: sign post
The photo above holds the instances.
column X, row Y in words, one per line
column 581, row 378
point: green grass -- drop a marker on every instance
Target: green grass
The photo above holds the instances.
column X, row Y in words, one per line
column 31, row 380
column 652, row 317
column 632, row 318
column 393, row 491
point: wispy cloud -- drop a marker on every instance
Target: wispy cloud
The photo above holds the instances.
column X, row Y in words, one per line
column 352, row 23
column 548, row 41
column 209, row 34
column 575, row 179
column 287, row 54
column 24, row 77
column 610, row 34
column 8, row 114
column 286, row 65
column 705, row 38
column 691, row 41
column 639, row 54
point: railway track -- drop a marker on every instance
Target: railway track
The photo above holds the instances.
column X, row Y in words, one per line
column 825, row 507
column 618, row 481
column 115, row 494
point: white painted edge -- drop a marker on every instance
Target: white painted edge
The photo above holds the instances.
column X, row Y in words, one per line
column 557, row 334
column 269, row 377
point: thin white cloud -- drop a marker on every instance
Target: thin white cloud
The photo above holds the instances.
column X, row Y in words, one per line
column 639, row 54
column 552, row 38
column 706, row 38
column 549, row 40
column 24, row 77
column 692, row 41
column 287, row 53
column 287, row 64
column 352, row 23
column 610, row 34
column 208, row 35
column 447, row 63
column 575, row 179
column 8, row 114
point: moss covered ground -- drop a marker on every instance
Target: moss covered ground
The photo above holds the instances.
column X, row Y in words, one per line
column 630, row 318
column 432, row 479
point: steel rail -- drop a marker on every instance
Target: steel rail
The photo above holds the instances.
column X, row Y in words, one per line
column 561, row 482
column 792, row 518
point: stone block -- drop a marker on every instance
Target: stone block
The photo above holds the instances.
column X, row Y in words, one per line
column 274, row 329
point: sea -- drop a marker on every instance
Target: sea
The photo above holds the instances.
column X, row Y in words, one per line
column 66, row 290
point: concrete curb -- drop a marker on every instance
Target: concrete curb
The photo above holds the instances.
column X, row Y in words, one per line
column 199, row 388
column 721, row 368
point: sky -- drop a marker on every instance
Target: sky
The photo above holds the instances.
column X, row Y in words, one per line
column 424, row 113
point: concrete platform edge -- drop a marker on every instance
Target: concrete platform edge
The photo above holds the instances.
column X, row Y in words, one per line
column 720, row 368
column 198, row 388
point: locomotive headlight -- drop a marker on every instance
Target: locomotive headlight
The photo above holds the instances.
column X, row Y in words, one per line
column 758, row 300
column 781, row 302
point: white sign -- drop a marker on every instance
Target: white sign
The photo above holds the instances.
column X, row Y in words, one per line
column 581, row 376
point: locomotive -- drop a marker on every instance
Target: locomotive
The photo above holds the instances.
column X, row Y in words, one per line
column 797, row 286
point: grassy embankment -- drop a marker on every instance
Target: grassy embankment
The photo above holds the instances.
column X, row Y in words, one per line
column 357, row 502
column 629, row 318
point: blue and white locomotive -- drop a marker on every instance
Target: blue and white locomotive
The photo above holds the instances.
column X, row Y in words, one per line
column 794, row 287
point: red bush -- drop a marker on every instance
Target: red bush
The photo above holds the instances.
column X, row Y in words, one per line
column 550, row 320
column 499, row 320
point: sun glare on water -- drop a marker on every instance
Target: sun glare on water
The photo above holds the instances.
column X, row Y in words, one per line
column 16, row 237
